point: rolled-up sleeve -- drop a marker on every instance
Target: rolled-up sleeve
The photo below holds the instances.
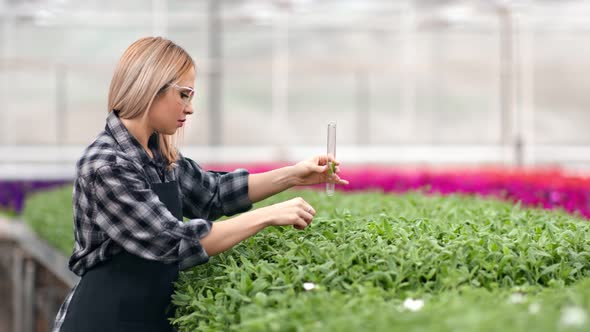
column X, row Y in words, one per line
column 134, row 217
column 211, row 195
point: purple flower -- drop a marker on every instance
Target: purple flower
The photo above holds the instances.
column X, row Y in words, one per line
column 13, row 193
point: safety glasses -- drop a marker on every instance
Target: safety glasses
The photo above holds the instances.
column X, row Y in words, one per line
column 186, row 93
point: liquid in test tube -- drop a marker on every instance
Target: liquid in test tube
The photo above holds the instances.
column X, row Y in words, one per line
column 331, row 153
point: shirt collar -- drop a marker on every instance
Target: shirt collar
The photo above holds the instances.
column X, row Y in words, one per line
column 129, row 143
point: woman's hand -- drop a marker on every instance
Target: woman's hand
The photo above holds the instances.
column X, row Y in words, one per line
column 227, row 233
column 296, row 212
column 318, row 169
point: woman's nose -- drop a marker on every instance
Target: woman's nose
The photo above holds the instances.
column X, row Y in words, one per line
column 189, row 109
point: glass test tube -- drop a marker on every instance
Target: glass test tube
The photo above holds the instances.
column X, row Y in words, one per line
column 331, row 152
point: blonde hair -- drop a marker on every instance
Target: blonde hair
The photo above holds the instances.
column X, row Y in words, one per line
column 146, row 69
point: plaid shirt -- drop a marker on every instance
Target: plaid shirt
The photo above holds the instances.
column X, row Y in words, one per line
column 115, row 209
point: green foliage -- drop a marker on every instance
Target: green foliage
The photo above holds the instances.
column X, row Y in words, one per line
column 50, row 214
column 465, row 309
column 366, row 253
column 8, row 213
column 373, row 251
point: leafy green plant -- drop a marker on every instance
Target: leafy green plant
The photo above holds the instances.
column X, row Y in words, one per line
column 365, row 254
column 50, row 215
column 391, row 247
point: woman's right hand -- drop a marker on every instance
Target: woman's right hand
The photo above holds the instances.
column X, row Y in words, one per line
column 227, row 233
column 296, row 212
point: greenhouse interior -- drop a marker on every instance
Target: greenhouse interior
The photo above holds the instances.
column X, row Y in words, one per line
column 452, row 194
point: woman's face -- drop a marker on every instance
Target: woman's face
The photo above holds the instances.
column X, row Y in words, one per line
column 169, row 110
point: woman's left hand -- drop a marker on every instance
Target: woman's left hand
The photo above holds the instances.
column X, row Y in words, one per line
column 317, row 170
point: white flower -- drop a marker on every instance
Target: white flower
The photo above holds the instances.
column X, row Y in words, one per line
column 534, row 308
column 308, row 286
column 517, row 298
column 573, row 316
column 413, row 305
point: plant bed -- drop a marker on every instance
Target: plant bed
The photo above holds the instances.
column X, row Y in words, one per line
column 365, row 254
column 471, row 264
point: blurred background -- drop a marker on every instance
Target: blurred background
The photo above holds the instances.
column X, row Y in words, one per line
column 419, row 82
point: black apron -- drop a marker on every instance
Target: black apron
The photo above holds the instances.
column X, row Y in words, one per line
column 127, row 293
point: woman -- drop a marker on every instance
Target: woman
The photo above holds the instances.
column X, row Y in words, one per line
column 133, row 188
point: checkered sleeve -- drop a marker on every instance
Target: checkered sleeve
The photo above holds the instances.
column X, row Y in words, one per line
column 211, row 195
column 134, row 217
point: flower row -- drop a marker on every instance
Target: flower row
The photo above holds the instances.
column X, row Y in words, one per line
column 546, row 188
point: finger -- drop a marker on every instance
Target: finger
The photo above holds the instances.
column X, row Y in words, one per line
column 307, row 214
column 328, row 158
column 300, row 224
column 332, row 161
column 302, row 204
column 333, row 178
column 309, row 209
column 321, row 159
column 336, row 179
column 320, row 168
